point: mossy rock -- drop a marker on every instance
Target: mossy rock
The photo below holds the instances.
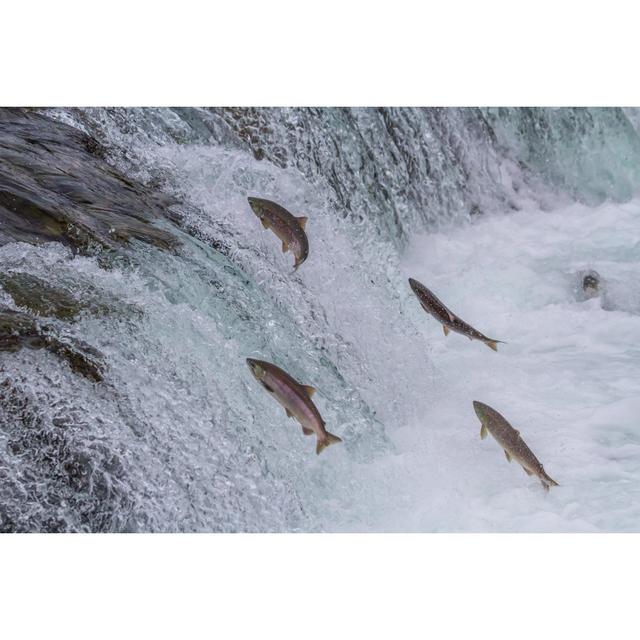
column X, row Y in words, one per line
column 40, row 298
column 18, row 331
column 43, row 299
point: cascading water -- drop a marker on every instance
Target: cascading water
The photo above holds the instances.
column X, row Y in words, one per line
column 127, row 238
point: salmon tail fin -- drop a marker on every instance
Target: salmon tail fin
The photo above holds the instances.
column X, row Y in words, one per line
column 298, row 262
column 547, row 481
column 329, row 439
column 493, row 344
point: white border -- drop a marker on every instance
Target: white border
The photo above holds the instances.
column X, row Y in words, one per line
column 319, row 586
column 322, row 53
column 334, row 52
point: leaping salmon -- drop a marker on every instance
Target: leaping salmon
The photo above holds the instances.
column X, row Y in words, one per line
column 295, row 398
column 511, row 441
column 448, row 319
column 285, row 225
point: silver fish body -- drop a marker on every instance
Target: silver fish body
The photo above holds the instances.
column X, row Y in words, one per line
column 449, row 320
column 515, row 448
column 295, row 398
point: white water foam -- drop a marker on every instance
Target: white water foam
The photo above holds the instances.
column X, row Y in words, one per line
column 568, row 379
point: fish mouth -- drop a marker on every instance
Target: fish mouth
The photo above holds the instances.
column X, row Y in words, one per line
column 254, row 204
column 478, row 407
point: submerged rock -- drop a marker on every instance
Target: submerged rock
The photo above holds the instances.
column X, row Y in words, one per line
column 40, row 298
column 43, row 299
column 18, row 330
column 589, row 285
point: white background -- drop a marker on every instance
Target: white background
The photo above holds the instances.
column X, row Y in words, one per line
column 319, row 586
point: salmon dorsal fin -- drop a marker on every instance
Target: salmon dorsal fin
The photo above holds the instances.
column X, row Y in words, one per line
column 285, row 246
column 507, row 455
column 308, row 390
column 303, row 221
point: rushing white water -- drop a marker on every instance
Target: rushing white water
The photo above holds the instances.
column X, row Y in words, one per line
column 179, row 436
column 569, row 377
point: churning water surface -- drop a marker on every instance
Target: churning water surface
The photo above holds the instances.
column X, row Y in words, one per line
column 496, row 211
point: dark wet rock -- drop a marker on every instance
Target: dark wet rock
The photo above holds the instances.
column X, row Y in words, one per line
column 18, row 330
column 40, row 298
column 82, row 358
column 56, row 186
column 43, row 299
column 589, row 284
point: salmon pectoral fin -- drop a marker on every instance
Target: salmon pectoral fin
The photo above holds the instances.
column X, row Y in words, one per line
column 324, row 443
column 445, row 329
column 307, row 432
column 507, row 455
column 303, row 221
column 265, row 224
column 285, row 246
column 308, row 390
column 483, row 432
column 289, row 414
column 529, row 473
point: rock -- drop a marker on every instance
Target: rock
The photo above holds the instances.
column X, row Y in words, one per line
column 18, row 330
column 40, row 298
column 43, row 299
column 56, row 186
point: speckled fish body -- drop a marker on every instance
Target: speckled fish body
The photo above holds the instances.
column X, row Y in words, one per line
column 515, row 448
column 449, row 320
column 287, row 227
